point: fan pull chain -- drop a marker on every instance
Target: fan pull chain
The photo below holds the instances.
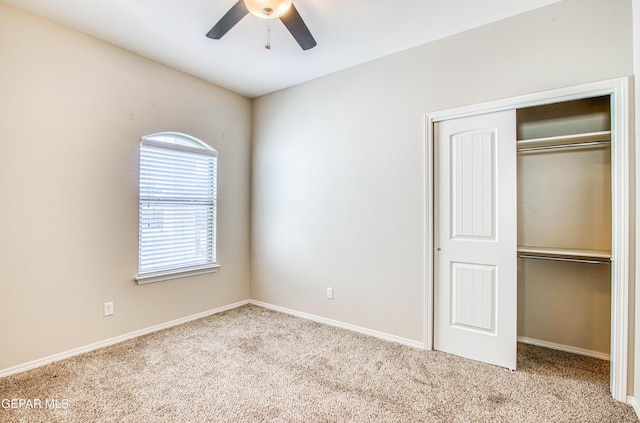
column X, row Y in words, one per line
column 268, row 46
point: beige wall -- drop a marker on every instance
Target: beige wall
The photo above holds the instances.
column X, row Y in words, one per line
column 72, row 111
column 339, row 162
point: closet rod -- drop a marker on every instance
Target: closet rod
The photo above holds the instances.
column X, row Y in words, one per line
column 550, row 147
column 573, row 260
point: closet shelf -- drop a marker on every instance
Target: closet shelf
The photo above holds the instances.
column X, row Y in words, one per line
column 564, row 141
column 565, row 254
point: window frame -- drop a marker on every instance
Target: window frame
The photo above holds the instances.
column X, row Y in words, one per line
column 178, row 142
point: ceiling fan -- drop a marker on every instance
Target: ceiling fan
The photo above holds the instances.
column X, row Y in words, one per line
column 266, row 9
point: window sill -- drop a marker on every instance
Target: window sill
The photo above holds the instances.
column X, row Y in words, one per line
column 175, row 274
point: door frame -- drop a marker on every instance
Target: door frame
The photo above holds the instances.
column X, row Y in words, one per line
column 618, row 89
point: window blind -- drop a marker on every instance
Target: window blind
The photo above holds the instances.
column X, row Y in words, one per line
column 177, row 207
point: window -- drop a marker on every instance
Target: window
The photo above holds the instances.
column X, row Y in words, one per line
column 177, row 226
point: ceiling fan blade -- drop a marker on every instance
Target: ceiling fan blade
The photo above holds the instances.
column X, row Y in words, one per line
column 296, row 26
column 232, row 17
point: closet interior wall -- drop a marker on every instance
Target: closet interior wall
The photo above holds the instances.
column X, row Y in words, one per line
column 564, row 204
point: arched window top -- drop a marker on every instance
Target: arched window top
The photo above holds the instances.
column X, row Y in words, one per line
column 170, row 139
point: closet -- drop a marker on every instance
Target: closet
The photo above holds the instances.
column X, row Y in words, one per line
column 532, row 199
column 564, row 225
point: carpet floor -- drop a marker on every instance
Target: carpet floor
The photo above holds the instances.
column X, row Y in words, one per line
column 251, row 364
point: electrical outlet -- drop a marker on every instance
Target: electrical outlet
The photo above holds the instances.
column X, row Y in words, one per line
column 108, row 308
column 330, row 293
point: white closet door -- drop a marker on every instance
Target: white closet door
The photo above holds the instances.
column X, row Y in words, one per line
column 475, row 238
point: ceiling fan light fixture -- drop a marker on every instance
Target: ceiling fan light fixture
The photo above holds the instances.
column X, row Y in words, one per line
column 268, row 9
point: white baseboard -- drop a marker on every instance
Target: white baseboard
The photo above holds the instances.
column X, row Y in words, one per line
column 101, row 344
column 633, row 403
column 336, row 323
column 565, row 348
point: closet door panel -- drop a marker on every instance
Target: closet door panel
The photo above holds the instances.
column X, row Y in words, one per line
column 473, row 185
column 473, row 289
column 475, row 238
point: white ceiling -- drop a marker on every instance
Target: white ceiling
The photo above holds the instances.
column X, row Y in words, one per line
column 348, row 32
